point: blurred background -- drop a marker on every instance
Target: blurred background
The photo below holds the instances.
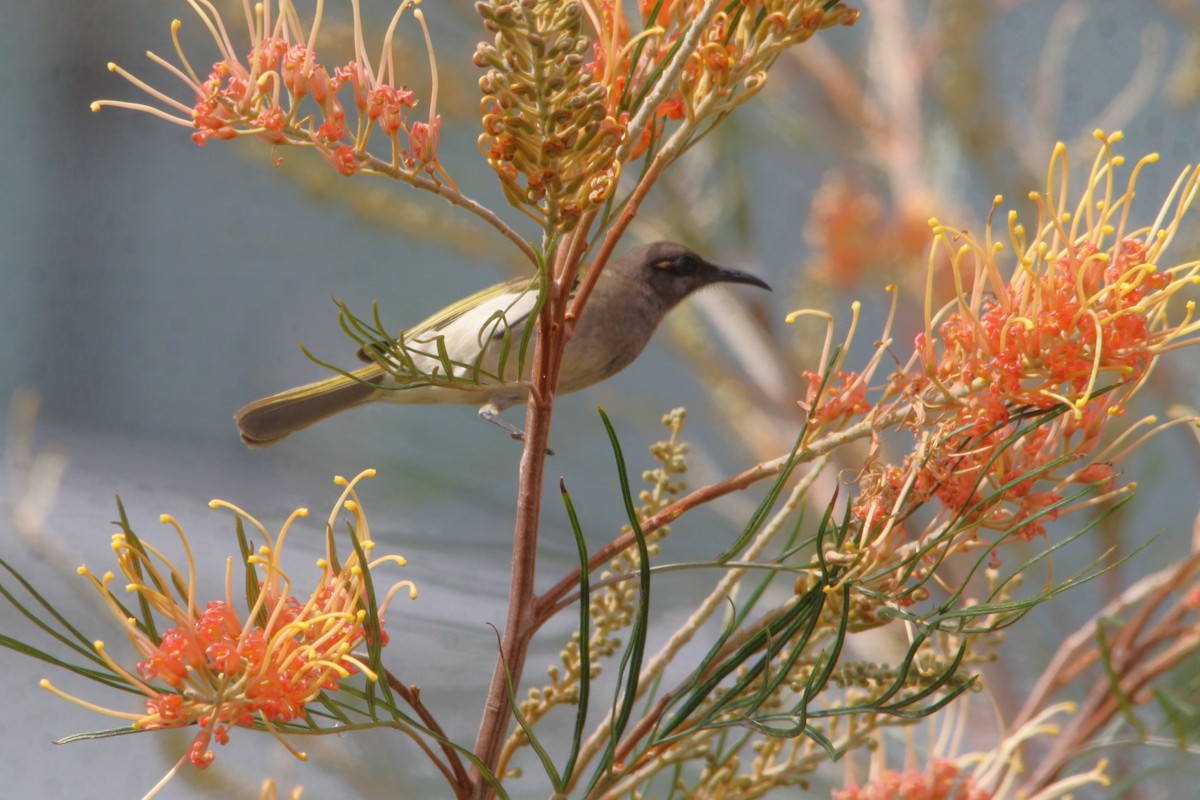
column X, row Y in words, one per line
column 151, row 287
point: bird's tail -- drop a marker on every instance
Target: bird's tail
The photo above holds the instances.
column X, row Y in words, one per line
column 266, row 421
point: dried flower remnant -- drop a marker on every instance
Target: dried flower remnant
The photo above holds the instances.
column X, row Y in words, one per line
column 281, row 93
column 217, row 668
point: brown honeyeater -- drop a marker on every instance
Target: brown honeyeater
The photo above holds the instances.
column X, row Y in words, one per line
column 470, row 352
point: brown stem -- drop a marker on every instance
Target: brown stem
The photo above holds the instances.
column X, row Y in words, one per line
column 1077, row 652
column 1135, row 655
column 456, row 776
column 521, row 622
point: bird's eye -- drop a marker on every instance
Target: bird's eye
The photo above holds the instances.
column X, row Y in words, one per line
column 679, row 265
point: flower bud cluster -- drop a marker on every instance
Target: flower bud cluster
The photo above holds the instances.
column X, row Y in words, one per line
column 546, row 128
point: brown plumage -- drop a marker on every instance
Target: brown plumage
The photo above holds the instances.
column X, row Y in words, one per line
column 479, row 340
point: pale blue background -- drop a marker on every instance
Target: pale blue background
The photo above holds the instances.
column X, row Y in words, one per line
column 150, row 287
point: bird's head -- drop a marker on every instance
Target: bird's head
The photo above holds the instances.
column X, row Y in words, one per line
column 672, row 271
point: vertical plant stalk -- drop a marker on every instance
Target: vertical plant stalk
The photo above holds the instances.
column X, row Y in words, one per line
column 521, row 621
column 568, row 241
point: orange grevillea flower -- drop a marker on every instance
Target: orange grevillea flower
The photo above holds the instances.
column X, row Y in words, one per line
column 1012, row 390
column 739, row 40
column 947, row 775
column 941, row 779
column 1086, row 303
column 280, row 91
column 1085, row 307
column 215, row 666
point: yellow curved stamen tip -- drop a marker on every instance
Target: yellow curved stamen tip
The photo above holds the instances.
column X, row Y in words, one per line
column 369, row 472
column 214, row 503
column 338, row 480
column 81, row 569
column 412, row 593
column 45, row 684
column 998, row 199
column 301, row 512
column 95, row 106
column 166, row 519
column 112, row 66
column 1060, row 148
column 176, row 25
column 351, row 505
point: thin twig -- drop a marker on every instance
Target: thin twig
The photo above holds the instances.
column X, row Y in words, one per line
column 412, row 695
column 718, row 597
column 456, row 198
column 549, row 602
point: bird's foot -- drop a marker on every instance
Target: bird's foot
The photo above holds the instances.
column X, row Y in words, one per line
column 490, row 413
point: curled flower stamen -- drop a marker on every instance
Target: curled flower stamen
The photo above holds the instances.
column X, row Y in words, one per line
column 217, row 668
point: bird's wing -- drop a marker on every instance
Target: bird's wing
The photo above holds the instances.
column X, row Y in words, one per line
column 480, row 340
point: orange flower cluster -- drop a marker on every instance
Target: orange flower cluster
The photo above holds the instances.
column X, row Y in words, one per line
column 854, row 237
column 264, row 94
column 941, row 780
column 1084, row 311
column 842, row 399
column 269, row 672
column 216, row 668
column 1012, row 387
column 730, row 58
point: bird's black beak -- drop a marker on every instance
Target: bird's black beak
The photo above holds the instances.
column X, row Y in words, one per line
column 724, row 275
